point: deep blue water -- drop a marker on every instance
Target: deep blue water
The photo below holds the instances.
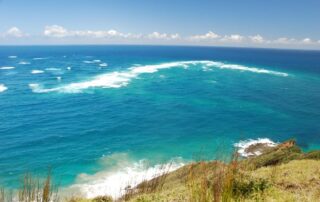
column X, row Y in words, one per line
column 150, row 102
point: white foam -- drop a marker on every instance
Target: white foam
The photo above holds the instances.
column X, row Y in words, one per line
column 91, row 61
column 122, row 78
column 6, row 68
column 36, row 71
column 40, row 58
column 88, row 62
column 103, row 65
column 68, row 68
column 53, row 69
column 3, row 88
column 115, row 181
column 24, row 63
column 12, row 56
column 37, row 88
column 243, row 145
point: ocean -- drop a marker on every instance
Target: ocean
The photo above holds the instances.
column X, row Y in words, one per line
column 101, row 116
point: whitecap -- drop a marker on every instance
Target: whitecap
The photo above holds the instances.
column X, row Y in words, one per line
column 68, row 68
column 245, row 68
column 126, row 174
column 7, row 68
column 88, row 62
column 91, row 61
column 12, row 56
column 242, row 146
column 119, row 79
column 24, row 63
column 53, row 69
column 103, row 65
column 3, row 88
column 40, row 58
column 37, row 88
column 36, row 71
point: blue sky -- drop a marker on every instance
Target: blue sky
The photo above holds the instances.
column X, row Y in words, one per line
column 258, row 23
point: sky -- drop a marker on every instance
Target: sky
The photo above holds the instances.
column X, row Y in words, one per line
column 245, row 23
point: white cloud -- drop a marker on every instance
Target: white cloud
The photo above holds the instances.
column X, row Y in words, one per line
column 60, row 32
column 233, row 38
column 307, row 41
column 165, row 36
column 257, row 39
column 285, row 40
column 55, row 31
column 114, row 36
column 209, row 35
column 14, row 32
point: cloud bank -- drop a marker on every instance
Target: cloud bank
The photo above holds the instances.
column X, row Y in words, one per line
column 57, row 34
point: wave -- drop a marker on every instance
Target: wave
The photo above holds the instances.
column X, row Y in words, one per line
column 53, row 69
column 39, row 58
column 12, row 56
column 6, row 68
column 24, row 63
column 114, row 181
column 36, row 71
column 3, row 88
column 242, row 146
column 103, row 65
column 91, row 61
column 119, row 79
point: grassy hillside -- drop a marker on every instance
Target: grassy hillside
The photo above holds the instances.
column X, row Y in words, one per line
column 283, row 173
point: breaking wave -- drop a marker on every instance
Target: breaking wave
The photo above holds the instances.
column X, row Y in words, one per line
column 36, row 71
column 242, row 146
column 3, row 88
column 24, row 63
column 119, row 79
column 6, row 68
column 114, row 181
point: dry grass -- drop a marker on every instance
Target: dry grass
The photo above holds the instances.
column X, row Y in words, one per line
column 32, row 189
column 148, row 186
column 282, row 174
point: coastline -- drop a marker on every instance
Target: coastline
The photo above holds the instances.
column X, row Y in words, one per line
column 171, row 182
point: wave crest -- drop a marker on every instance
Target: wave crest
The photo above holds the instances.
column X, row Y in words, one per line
column 3, row 88
column 7, row 68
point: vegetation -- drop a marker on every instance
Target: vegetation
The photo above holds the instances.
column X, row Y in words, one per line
column 282, row 173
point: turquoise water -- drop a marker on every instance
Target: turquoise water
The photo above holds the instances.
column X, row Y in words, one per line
column 73, row 107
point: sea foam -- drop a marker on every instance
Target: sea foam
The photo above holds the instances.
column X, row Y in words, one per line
column 103, row 65
column 243, row 145
column 7, row 68
column 24, row 63
column 119, row 79
column 36, row 71
column 115, row 181
column 39, row 58
column 3, row 88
